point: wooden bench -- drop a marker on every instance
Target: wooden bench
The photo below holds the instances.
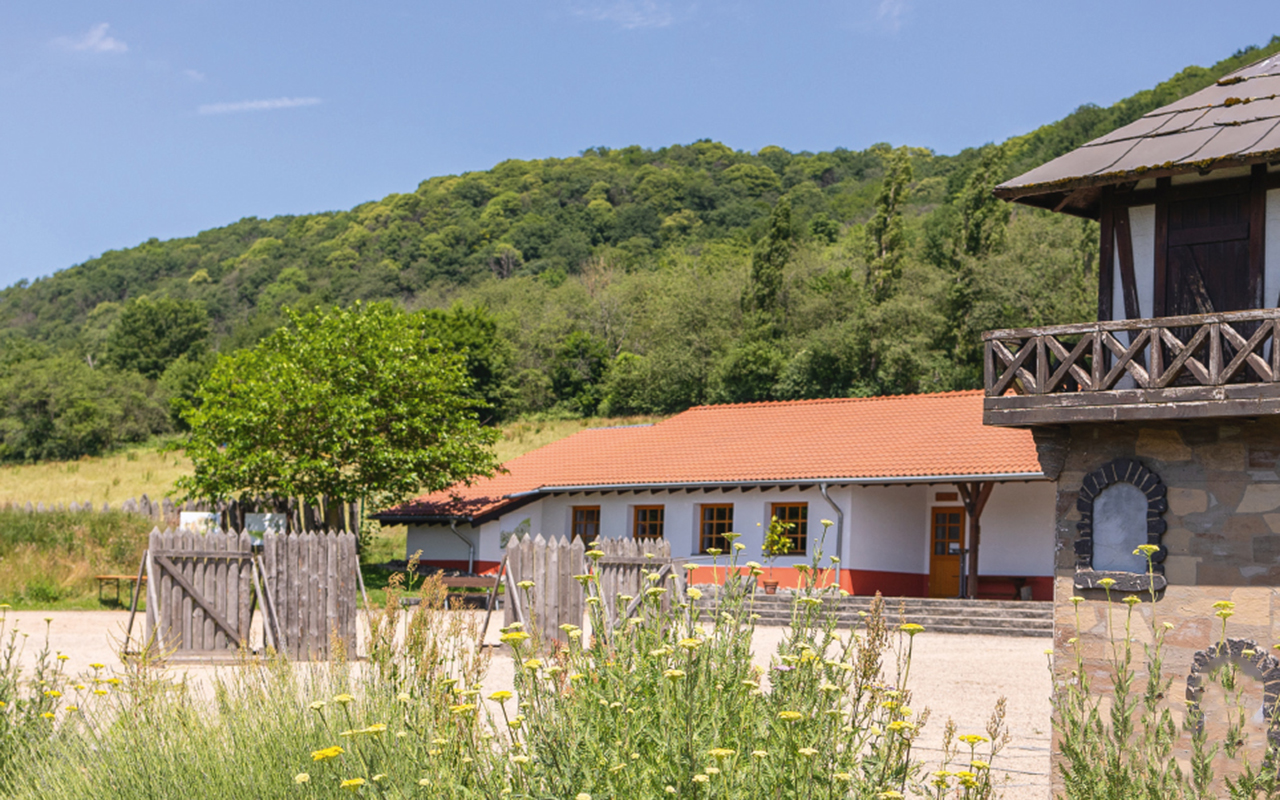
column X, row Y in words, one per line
column 103, row 580
column 460, row 587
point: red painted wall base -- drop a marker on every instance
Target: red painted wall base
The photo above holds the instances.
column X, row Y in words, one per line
column 890, row 584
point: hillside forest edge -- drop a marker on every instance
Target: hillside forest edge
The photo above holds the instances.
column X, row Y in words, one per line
column 619, row 282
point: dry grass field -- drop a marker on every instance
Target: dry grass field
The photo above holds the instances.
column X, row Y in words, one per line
column 106, row 479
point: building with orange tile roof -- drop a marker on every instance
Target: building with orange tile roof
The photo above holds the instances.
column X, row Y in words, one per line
column 892, row 474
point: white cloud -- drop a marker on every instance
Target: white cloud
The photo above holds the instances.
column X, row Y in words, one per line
column 95, row 41
column 194, row 75
column 629, row 14
column 258, row 105
column 891, row 12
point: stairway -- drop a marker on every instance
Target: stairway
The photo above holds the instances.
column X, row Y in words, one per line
column 992, row 617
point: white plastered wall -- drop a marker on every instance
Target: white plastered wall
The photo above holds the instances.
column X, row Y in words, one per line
column 1142, row 230
column 886, row 527
column 1017, row 529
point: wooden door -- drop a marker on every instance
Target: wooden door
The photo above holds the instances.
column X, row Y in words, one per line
column 946, row 541
column 1208, row 255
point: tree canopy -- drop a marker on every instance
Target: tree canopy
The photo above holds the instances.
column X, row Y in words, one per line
column 347, row 404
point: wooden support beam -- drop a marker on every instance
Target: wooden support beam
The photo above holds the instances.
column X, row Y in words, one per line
column 974, row 496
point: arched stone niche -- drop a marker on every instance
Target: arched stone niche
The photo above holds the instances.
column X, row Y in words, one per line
column 1121, row 506
column 1253, row 660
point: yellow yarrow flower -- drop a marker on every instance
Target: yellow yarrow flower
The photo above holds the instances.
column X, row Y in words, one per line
column 501, row 696
column 808, row 751
column 326, row 753
column 345, row 699
column 352, row 783
column 721, row 752
column 301, row 777
column 790, row 716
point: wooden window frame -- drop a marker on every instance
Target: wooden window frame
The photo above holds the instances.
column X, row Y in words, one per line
column 800, row 535
column 638, row 525
column 573, row 523
column 707, row 541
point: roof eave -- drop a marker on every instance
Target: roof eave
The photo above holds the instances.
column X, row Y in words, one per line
column 1053, row 194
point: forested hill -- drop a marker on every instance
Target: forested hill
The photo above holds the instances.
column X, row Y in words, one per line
column 621, row 280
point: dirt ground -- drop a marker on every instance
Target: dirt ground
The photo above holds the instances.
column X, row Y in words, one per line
column 956, row 676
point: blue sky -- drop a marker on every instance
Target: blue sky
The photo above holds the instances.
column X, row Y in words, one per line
column 123, row 121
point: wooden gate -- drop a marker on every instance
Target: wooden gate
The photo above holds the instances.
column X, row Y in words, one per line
column 557, row 598
column 203, row 589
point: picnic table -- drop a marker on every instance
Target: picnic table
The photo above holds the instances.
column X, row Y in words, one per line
column 103, row 580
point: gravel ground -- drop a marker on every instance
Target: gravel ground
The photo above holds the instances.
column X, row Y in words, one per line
column 956, row 676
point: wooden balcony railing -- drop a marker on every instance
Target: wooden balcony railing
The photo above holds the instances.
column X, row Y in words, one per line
column 1208, row 365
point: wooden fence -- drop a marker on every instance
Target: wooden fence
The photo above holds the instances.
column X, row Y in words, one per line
column 203, row 589
column 298, row 515
column 557, row 598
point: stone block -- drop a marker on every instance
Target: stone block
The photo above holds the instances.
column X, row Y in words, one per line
column 1273, row 522
column 1222, row 456
column 1178, row 541
column 1187, row 501
column 1216, row 573
column 1266, row 549
column 1259, row 498
column 1246, row 526
column 1162, row 444
column 1180, row 570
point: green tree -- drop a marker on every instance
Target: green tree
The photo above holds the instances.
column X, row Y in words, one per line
column 769, row 261
column 61, row 408
column 578, row 372
column 149, row 334
column 886, row 236
column 346, row 404
column 983, row 217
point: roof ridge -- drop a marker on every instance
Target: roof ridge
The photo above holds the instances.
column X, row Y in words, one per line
column 822, row 400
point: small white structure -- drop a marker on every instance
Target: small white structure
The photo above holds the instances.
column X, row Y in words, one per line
column 199, row 521
column 904, row 482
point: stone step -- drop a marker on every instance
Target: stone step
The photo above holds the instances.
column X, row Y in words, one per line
column 992, row 617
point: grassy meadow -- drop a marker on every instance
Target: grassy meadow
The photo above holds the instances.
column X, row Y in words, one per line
column 49, row 560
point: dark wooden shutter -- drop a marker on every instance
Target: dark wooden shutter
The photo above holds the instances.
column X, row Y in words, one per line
column 1208, row 266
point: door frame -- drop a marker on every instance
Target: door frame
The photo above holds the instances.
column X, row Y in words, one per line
column 947, row 506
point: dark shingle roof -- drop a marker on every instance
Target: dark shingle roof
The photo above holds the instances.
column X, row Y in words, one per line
column 1235, row 122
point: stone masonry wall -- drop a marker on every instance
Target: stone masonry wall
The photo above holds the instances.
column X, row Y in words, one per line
column 1223, row 543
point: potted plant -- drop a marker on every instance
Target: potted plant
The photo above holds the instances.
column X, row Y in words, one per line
column 776, row 542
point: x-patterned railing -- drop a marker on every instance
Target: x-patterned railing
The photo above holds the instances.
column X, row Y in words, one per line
column 1207, row 350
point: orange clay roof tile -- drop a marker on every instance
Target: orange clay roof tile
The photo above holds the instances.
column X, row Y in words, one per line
column 807, row 440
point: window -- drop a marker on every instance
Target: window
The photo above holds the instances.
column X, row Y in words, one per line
column 647, row 522
column 948, row 531
column 586, row 523
column 717, row 520
column 795, row 516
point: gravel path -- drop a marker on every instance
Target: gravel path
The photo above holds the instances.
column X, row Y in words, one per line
column 956, row 676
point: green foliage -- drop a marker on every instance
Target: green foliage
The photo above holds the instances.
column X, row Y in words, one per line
column 769, row 260
column 149, row 335
column 50, row 557
column 61, row 408
column 348, row 404
column 886, row 234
